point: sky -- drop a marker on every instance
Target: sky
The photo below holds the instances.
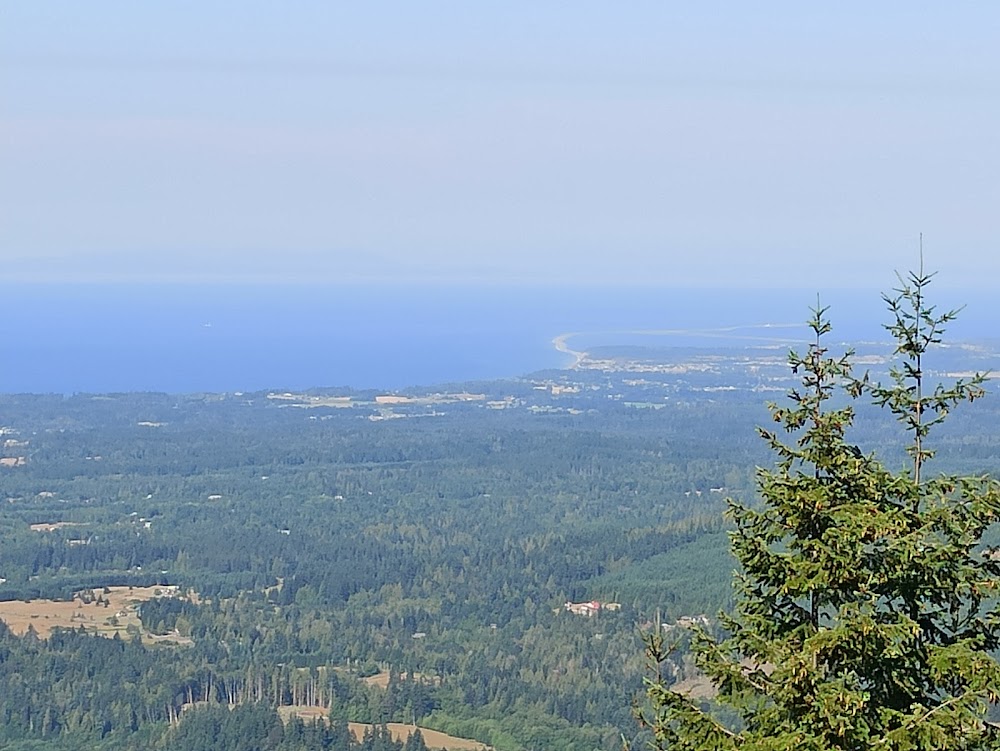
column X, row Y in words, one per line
column 774, row 144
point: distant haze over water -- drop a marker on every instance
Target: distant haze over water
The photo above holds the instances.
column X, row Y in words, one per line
column 183, row 338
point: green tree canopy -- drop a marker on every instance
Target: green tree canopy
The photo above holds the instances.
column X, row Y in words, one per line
column 866, row 605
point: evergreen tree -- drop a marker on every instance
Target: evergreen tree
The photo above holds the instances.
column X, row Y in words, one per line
column 415, row 742
column 866, row 605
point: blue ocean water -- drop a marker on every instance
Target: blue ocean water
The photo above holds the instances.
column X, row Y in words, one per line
column 191, row 337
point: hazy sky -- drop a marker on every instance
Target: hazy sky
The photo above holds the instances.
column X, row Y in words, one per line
column 669, row 143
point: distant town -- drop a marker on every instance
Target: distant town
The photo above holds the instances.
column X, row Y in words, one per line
column 630, row 376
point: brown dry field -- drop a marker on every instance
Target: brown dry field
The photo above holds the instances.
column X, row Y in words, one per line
column 382, row 679
column 46, row 615
column 432, row 738
column 398, row 730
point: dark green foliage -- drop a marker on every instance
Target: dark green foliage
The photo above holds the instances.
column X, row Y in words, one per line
column 472, row 527
column 247, row 727
column 866, row 604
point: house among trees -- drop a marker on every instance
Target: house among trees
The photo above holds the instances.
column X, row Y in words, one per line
column 591, row 608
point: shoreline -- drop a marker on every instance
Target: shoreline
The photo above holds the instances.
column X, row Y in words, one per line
column 560, row 343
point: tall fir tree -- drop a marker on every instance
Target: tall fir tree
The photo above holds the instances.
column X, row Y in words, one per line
column 866, row 605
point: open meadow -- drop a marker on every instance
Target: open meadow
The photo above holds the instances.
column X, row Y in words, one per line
column 399, row 731
column 103, row 611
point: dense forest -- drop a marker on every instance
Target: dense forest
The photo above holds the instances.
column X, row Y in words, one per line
column 379, row 558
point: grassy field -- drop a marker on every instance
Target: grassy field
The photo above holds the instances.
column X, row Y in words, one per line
column 382, row 679
column 399, row 731
column 115, row 611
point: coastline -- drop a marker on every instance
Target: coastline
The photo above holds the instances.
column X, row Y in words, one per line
column 561, row 345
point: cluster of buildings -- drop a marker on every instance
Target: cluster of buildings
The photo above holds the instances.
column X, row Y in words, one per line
column 591, row 608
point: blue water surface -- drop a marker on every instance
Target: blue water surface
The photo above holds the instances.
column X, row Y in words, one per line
column 191, row 337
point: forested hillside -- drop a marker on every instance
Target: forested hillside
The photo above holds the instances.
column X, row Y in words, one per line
column 373, row 557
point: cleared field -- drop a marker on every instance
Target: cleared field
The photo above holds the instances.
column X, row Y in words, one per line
column 103, row 613
column 432, row 738
column 54, row 526
column 398, row 730
column 382, row 679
